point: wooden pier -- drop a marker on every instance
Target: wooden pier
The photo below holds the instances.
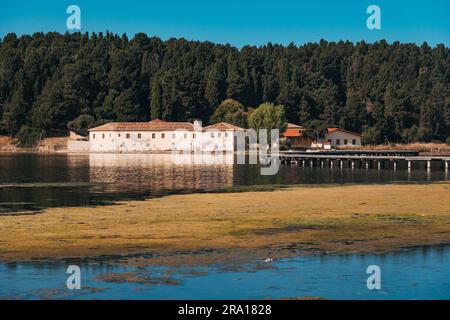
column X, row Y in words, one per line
column 368, row 159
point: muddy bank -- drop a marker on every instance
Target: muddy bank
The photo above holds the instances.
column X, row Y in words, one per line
column 337, row 219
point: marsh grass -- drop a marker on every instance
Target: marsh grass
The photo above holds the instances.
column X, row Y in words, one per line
column 355, row 218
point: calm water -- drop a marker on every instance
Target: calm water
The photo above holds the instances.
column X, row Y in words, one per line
column 32, row 182
column 419, row 273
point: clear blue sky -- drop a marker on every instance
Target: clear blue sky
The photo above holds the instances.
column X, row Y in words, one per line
column 238, row 22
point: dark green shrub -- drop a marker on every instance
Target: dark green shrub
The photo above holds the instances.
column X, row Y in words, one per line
column 82, row 124
column 28, row 137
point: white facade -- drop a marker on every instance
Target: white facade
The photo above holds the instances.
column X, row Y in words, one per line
column 339, row 137
column 78, row 146
column 160, row 136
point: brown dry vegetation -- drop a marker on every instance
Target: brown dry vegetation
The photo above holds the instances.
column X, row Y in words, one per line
column 428, row 148
column 53, row 144
column 6, row 144
column 47, row 145
column 364, row 218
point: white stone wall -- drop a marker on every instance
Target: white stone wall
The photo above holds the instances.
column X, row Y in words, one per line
column 215, row 140
column 343, row 137
column 161, row 141
column 77, row 146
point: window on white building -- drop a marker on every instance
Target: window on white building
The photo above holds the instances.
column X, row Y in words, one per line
column 93, row 136
column 185, row 135
column 128, row 136
column 354, row 142
column 103, row 136
column 139, row 136
column 338, row 142
column 212, row 134
column 163, row 135
column 219, row 134
column 153, row 135
column 345, row 141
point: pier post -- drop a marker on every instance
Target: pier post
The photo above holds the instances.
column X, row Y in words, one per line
column 446, row 165
column 353, row 164
column 341, row 162
column 321, row 163
column 367, row 164
column 311, row 163
column 395, row 165
column 428, row 165
column 379, row 164
column 331, row 163
column 409, row 165
column 303, row 163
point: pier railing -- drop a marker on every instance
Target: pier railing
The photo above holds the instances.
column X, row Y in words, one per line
column 380, row 159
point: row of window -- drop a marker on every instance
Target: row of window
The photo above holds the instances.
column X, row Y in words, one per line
column 338, row 142
column 163, row 135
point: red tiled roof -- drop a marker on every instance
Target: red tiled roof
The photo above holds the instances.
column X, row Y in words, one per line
column 223, row 126
column 331, row 130
column 155, row 125
column 160, row 125
column 291, row 133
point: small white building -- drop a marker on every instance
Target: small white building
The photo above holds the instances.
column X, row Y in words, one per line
column 337, row 137
column 162, row 136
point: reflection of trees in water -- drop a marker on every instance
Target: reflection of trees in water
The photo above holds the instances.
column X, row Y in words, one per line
column 160, row 172
column 29, row 181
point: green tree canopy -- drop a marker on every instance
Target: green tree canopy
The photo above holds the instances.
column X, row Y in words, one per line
column 387, row 91
column 82, row 124
column 230, row 111
column 268, row 116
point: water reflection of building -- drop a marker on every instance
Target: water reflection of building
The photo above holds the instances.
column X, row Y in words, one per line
column 161, row 172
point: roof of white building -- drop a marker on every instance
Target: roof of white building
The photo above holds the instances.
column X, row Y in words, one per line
column 160, row 125
column 223, row 126
column 331, row 130
column 155, row 125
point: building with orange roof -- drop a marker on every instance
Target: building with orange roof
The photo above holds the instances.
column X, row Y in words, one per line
column 334, row 138
column 295, row 136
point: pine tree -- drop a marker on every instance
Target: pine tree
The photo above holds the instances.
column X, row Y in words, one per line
column 396, row 92
column 215, row 85
column 155, row 99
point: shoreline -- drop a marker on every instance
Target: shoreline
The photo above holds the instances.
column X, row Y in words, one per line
column 276, row 223
column 86, row 153
column 209, row 257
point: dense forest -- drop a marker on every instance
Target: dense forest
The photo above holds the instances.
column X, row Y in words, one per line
column 50, row 83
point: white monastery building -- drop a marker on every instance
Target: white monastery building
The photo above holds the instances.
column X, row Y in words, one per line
column 162, row 136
